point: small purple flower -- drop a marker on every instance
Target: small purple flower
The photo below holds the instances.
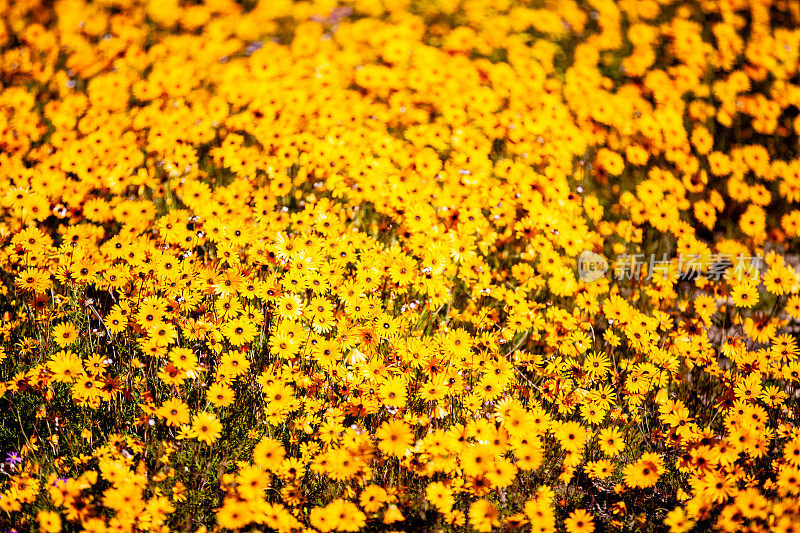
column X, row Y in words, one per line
column 338, row 14
column 252, row 47
column 14, row 458
column 334, row 17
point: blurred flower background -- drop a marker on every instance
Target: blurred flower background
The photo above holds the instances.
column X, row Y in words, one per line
column 313, row 266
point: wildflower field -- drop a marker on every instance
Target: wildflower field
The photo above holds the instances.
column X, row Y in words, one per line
column 399, row 265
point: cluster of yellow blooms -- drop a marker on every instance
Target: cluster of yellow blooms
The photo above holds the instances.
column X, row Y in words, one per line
column 314, row 265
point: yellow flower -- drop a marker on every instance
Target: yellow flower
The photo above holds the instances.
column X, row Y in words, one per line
column 645, row 472
column 49, row 521
column 611, row 441
column 579, row 521
column 571, row 435
column 206, row 427
column 395, row 437
column 65, row 334
column 483, row 516
column 175, row 412
column 745, row 295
